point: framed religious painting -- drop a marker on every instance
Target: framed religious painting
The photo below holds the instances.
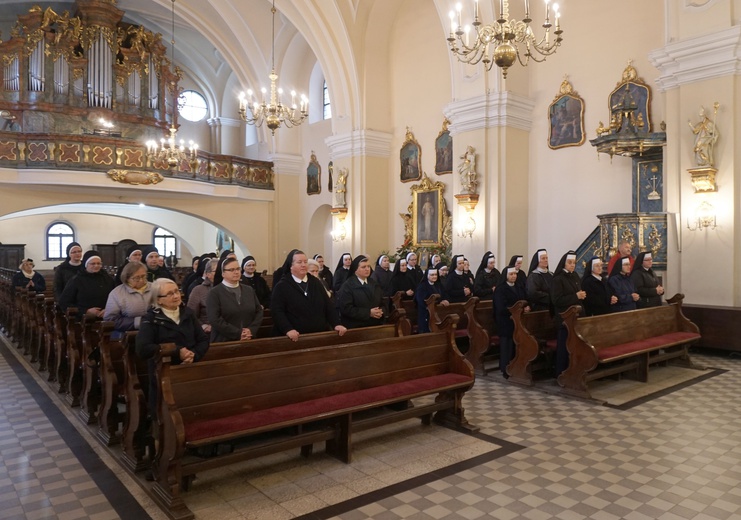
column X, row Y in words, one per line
column 428, row 209
column 313, row 176
column 444, row 150
column 330, row 174
column 566, row 118
column 410, row 157
column 634, row 94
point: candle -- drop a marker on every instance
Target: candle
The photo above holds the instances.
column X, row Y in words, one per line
column 451, row 15
column 501, row 9
column 547, row 11
column 475, row 10
column 466, row 30
column 459, row 7
column 527, row 8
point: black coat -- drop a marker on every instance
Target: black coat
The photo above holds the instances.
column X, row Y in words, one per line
column 645, row 282
column 485, row 282
column 227, row 317
column 63, row 273
column 156, row 328
column 563, row 292
column 454, row 286
column 326, row 275
column 505, row 297
column 260, row 286
column 538, row 288
column 355, row 302
column 424, row 291
column 160, row 272
column 39, row 284
column 340, row 275
column 383, row 277
column 598, row 297
column 291, row 309
column 87, row 290
column 401, row 282
column 416, row 275
column 622, row 287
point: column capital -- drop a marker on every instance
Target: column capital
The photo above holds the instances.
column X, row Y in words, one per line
column 493, row 109
column 368, row 143
column 287, row 163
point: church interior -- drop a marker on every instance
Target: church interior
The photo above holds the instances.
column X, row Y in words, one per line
column 391, row 143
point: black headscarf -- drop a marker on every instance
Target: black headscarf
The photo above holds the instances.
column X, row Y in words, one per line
column 69, row 248
column 535, row 260
column 588, row 268
column 484, row 262
column 130, row 251
column 87, row 256
column 356, row 263
column 617, row 267
column 289, row 261
column 397, row 267
column 203, row 260
column 513, row 260
column 562, row 264
column 247, row 259
column 146, row 251
column 439, row 266
column 218, row 275
column 454, row 261
column 638, row 264
column 378, row 261
column 340, row 264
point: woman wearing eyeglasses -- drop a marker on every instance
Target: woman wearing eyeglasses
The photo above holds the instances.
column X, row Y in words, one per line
column 29, row 279
column 233, row 309
column 128, row 302
column 88, row 291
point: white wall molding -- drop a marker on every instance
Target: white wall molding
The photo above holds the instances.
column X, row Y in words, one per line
column 288, row 163
column 494, row 109
column 364, row 143
column 698, row 59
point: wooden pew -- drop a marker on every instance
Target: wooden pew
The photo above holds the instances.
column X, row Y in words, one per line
column 47, row 357
column 90, row 390
column 482, row 333
column 112, row 379
column 60, row 369
column 74, row 358
column 136, row 382
column 402, row 306
column 439, row 312
column 299, row 397
column 535, row 343
column 38, row 337
column 625, row 342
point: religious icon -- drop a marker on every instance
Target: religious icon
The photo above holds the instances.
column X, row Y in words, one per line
column 313, row 176
column 566, row 116
column 410, row 156
column 444, row 151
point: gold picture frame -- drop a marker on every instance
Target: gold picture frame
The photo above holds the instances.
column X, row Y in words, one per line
column 428, row 211
column 410, row 158
column 566, row 118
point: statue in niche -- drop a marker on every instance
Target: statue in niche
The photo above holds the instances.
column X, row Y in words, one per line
column 467, row 171
column 706, row 136
column 340, row 189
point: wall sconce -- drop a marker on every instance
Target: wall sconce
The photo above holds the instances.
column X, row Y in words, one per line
column 339, row 232
column 704, row 217
column 468, row 227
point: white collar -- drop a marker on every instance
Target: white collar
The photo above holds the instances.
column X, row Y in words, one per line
column 299, row 280
column 233, row 286
column 597, row 277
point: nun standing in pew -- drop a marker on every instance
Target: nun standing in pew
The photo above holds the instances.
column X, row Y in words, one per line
column 487, row 277
column 458, row 286
column 360, row 299
column 516, row 262
column 342, row 272
column 646, row 282
column 539, row 280
column 400, row 282
column 600, row 299
column 622, row 286
column 507, row 294
column 68, row 269
column 133, row 254
column 233, row 309
column 429, row 286
column 382, row 274
column 565, row 292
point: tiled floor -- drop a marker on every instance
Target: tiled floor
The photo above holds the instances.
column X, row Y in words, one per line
column 538, row 456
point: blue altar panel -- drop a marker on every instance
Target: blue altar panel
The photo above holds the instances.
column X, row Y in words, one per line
column 648, row 185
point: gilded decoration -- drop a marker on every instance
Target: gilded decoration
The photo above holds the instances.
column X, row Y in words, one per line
column 566, row 117
column 427, row 223
column 135, row 177
column 37, row 152
column 8, row 150
column 410, row 157
column 102, row 155
column 69, row 152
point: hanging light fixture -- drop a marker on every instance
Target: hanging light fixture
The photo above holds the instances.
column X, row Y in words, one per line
column 504, row 40
column 275, row 112
column 169, row 151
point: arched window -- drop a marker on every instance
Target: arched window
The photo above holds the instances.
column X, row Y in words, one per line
column 327, row 114
column 58, row 236
column 165, row 242
column 192, row 106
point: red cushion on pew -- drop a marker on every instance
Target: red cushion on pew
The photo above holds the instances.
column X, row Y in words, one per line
column 199, row 430
column 665, row 340
column 550, row 344
column 493, row 340
column 461, row 333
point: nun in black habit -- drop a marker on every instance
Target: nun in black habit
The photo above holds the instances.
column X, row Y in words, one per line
column 251, row 277
column 507, row 294
column 565, row 291
column 516, row 262
column 382, row 274
column 68, row 269
column 342, row 272
column 458, row 285
column 622, row 286
column 646, row 282
column 600, row 299
column 400, row 282
column 360, row 298
column 198, row 276
column 133, row 254
column 324, row 272
column 218, row 275
column 300, row 310
column 487, row 277
column 538, row 283
column 429, row 286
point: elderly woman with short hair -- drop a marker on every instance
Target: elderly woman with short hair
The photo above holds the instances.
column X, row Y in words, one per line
column 128, row 302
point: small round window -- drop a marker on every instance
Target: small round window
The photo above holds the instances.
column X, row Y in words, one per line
column 192, row 106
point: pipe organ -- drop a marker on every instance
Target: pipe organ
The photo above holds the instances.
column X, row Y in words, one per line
column 98, row 64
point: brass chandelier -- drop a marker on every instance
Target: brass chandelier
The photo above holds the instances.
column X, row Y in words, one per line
column 504, row 40
column 275, row 112
column 169, row 151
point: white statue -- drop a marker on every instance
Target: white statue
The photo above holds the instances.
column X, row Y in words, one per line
column 706, row 135
column 340, row 189
column 467, row 170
